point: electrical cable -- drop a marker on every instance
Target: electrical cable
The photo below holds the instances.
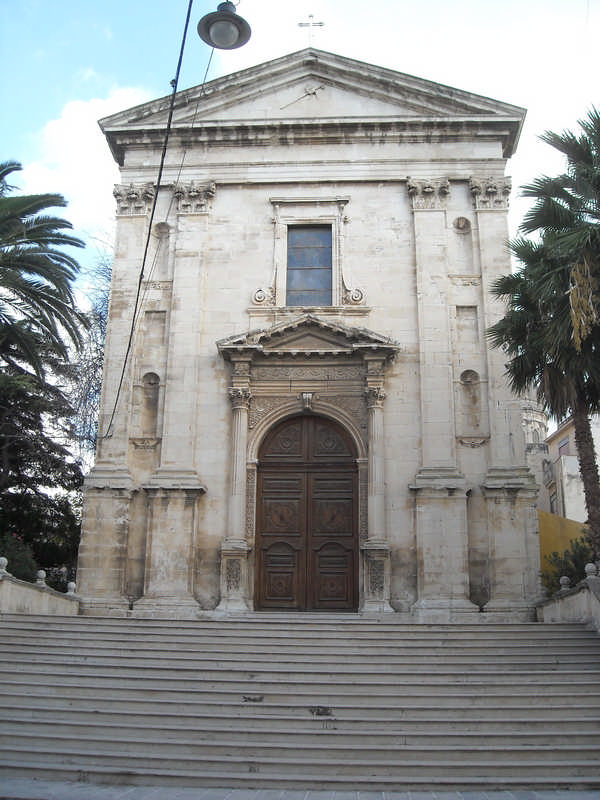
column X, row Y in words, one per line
column 174, row 84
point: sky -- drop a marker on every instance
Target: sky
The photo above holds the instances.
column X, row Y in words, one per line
column 67, row 63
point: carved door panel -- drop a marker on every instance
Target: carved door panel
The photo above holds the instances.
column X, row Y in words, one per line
column 307, row 533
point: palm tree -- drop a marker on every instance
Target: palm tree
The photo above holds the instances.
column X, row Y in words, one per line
column 36, row 296
column 568, row 206
column 551, row 330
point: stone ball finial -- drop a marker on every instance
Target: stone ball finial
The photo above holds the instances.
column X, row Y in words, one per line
column 565, row 582
column 40, row 577
column 591, row 570
column 3, row 564
column 71, row 587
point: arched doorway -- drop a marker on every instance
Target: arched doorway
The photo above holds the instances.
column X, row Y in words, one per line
column 307, row 526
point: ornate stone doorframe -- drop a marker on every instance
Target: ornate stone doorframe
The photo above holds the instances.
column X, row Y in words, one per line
column 302, row 366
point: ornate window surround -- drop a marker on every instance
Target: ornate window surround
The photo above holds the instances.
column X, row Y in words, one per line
column 289, row 211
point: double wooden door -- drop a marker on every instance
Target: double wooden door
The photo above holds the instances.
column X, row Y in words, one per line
column 307, row 531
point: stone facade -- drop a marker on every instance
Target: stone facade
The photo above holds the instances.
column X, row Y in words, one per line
column 408, row 176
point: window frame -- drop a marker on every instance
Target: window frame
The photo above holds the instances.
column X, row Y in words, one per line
column 308, row 211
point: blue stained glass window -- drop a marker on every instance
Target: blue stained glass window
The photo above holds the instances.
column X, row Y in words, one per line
column 309, row 265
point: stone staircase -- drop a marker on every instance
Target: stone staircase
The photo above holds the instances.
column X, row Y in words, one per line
column 305, row 701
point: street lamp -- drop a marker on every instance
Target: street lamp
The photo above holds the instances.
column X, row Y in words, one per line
column 224, row 29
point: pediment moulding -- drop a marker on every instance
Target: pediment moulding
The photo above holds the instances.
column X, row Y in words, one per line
column 307, row 336
column 348, row 98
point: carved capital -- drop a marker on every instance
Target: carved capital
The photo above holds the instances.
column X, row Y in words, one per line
column 192, row 198
column 428, row 195
column 135, row 199
column 490, row 194
column 375, row 396
column 240, row 398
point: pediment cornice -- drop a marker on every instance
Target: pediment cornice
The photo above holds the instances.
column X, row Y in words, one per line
column 261, row 104
column 307, row 336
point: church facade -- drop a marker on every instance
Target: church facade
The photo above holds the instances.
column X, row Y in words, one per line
column 300, row 413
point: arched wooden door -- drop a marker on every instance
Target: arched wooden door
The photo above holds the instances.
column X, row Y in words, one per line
column 307, row 521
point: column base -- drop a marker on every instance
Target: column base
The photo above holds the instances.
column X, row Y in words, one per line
column 104, row 606
column 505, row 611
column 376, row 607
column 440, row 610
column 166, row 607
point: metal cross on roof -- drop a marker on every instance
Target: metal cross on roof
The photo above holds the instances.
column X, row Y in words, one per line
column 310, row 25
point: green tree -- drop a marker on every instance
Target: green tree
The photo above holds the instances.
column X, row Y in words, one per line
column 39, row 327
column 36, row 276
column 552, row 340
column 570, row 563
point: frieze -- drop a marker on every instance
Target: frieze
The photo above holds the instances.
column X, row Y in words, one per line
column 134, row 200
column 430, row 195
column 465, row 280
column 490, row 194
column 193, row 198
column 318, row 373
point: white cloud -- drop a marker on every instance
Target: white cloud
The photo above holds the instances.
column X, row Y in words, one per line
column 74, row 160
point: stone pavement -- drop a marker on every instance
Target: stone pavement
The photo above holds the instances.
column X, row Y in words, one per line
column 22, row 789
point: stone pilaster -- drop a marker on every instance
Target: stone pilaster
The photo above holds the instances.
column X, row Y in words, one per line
column 435, row 362
column 376, row 550
column 234, row 550
column 509, row 486
column 442, row 547
column 170, row 550
column 103, row 548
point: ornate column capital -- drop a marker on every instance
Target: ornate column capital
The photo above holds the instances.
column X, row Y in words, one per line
column 240, row 397
column 428, row 195
column 490, row 194
column 192, row 198
column 375, row 396
column 135, row 199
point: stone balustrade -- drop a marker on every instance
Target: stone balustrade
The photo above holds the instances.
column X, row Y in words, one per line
column 21, row 597
column 580, row 603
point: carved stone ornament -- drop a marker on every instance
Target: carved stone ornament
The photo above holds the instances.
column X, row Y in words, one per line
column 233, row 574
column 240, row 398
column 473, row 441
column 376, row 576
column 490, row 194
column 135, row 199
column 192, row 198
column 375, row 396
column 264, row 296
column 353, row 296
column 429, row 194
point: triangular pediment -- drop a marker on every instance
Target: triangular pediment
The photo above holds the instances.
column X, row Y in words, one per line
column 314, row 85
column 306, row 335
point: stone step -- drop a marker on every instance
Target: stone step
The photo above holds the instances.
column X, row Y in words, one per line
column 401, row 763
column 425, row 780
column 307, row 731
column 366, row 705
column 294, row 626
column 191, row 663
column 325, row 749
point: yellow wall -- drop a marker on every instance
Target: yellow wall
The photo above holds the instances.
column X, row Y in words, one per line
column 556, row 533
